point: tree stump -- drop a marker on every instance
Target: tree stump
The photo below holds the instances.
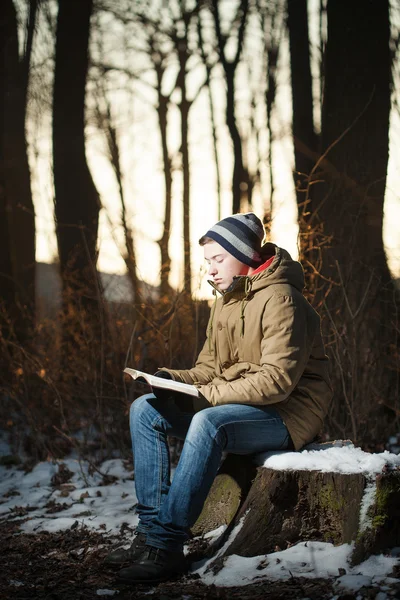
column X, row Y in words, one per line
column 284, row 507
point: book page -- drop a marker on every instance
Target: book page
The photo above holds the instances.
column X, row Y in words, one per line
column 166, row 384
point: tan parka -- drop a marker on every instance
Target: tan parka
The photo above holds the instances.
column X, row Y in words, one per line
column 264, row 347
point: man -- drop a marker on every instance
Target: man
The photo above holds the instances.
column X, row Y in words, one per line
column 263, row 384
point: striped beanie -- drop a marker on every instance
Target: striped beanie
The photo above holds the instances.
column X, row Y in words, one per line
column 241, row 235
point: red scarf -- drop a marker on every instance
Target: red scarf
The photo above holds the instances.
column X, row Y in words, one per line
column 263, row 266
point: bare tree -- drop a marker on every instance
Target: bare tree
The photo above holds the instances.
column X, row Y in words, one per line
column 76, row 198
column 164, row 34
column 177, row 29
column 240, row 176
column 17, row 219
column 304, row 137
column 179, row 34
column 159, row 60
column 208, row 64
column 138, row 26
column 271, row 22
column 106, row 123
column 356, row 291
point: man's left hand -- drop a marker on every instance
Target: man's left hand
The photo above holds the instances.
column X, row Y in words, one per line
column 161, row 393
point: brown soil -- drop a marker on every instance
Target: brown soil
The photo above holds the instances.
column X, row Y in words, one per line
column 68, row 566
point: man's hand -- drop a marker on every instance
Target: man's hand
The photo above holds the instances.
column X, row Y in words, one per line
column 163, row 374
column 160, row 393
column 183, row 401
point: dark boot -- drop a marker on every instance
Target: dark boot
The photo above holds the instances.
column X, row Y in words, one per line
column 123, row 556
column 153, row 566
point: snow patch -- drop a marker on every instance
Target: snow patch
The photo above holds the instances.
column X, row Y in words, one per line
column 347, row 459
column 366, row 503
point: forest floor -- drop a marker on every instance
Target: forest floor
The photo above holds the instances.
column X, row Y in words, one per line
column 58, row 521
column 68, row 565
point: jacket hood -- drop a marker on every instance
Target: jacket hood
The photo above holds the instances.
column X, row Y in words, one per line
column 283, row 269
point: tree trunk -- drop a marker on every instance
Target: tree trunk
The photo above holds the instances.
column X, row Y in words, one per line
column 162, row 111
column 357, row 295
column 208, row 69
column 107, row 123
column 304, row 138
column 182, row 47
column 215, row 146
column 76, row 198
column 184, row 110
column 239, row 176
column 239, row 179
column 17, row 218
column 272, row 30
column 130, row 251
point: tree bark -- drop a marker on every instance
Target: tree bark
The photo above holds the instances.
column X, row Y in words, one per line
column 208, row 69
column 17, row 217
column 162, row 112
column 239, row 176
column 356, row 294
column 304, row 138
column 76, row 198
column 227, row 494
column 283, row 508
column 184, row 107
column 182, row 47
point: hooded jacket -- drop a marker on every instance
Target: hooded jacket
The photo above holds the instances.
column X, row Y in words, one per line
column 264, row 347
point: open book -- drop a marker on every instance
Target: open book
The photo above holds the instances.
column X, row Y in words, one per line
column 166, row 384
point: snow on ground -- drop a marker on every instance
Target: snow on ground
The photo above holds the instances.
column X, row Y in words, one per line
column 100, row 507
column 305, row 559
column 86, row 500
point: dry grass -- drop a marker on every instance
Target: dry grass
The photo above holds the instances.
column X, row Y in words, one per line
column 64, row 388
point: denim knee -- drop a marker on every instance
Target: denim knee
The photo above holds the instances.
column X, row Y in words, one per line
column 205, row 423
column 139, row 408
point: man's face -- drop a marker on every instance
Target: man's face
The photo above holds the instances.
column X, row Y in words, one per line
column 223, row 267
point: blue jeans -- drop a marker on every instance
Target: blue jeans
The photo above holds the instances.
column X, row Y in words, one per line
column 167, row 510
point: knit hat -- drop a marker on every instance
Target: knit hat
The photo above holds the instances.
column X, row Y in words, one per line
column 241, row 235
